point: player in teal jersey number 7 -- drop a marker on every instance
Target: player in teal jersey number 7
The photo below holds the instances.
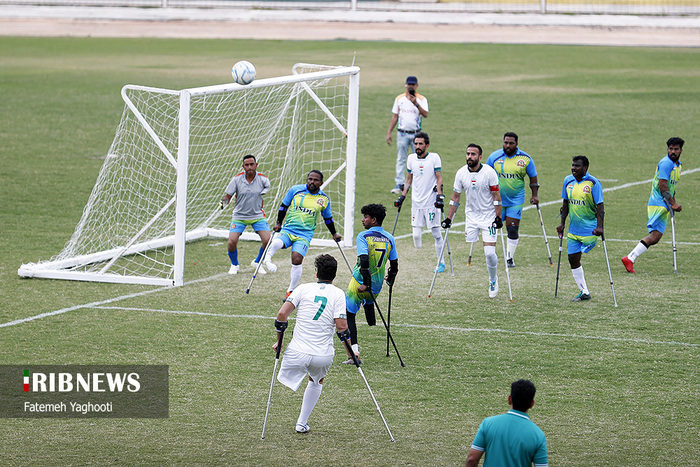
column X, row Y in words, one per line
column 375, row 249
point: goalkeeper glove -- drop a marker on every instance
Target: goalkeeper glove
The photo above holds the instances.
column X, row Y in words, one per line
column 223, row 203
column 440, row 202
column 497, row 222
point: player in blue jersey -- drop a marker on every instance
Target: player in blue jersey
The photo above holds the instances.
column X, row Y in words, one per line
column 512, row 165
column 301, row 205
column 582, row 196
column 375, row 247
column 511, row 438
column 663, row 197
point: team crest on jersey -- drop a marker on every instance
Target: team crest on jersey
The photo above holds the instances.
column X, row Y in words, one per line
column 587, row 189
column 319, row 201
column 521, row 163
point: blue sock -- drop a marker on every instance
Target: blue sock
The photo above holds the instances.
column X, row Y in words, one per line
column 234, row 257
column 260, row 253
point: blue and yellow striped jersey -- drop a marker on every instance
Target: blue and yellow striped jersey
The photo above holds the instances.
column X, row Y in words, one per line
column 303, row 210
column 511, row 175
column 666, row 170
column 583, row 197
column 380, row 246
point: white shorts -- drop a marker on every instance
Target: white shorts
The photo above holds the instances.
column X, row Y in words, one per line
column 471, row 232
column 296, row 365
column 425, row 217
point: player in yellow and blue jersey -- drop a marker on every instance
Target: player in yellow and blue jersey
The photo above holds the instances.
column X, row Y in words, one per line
column 582, row 196
column 663, row 197
column 375, row 247
column 512, row 165
column 301, row 205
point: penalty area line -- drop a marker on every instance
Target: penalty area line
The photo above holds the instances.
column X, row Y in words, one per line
column 429, row 327
column 99, row 303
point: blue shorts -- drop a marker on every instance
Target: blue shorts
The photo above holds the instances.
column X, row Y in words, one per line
column 658, row 218
column 355, row 299
column 580, row 243
column 257, row 224
column 298, row 244
column 514, row 212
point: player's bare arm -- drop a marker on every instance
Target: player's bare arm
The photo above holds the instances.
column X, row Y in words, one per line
column 407, row 184
column 225, row 200
column 663, row 187
column 535, row 187
column 474, row 457
column 341, row 324
column 564, row 214
column 496, row 201
column 283, row 317
column 599, row 214
column 454, row 204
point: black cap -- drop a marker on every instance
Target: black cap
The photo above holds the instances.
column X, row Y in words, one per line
column 411, row 80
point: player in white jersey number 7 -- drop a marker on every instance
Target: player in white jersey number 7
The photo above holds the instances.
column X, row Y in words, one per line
column 320, row 311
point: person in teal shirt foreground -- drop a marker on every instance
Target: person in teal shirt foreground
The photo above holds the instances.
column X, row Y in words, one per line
column 511, row 438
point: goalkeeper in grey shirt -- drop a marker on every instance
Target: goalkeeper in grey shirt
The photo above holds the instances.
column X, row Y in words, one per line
column 248, row 187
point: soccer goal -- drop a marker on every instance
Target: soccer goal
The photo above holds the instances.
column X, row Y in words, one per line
column 175, row 152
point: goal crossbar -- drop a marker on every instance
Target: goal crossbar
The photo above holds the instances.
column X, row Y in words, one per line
column 152, row 250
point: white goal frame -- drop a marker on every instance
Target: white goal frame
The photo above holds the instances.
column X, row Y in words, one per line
column 66, row 268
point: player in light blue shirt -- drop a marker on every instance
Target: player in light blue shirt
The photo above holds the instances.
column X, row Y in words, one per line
column 301, row 205
column 662, row 198
column 511, row 439
column 512, row 165
column 375, row 249
column 582, row 196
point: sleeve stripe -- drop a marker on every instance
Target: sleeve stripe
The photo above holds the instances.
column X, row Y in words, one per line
column 478, row 448
column 494, row 188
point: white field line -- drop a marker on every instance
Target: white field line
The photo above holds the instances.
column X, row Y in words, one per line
column 96, row 304
column 159, row 289
column 420, row 326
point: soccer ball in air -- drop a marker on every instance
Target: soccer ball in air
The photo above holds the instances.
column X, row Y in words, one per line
column 243, row 72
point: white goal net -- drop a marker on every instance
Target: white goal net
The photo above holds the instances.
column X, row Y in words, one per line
column 175, row 152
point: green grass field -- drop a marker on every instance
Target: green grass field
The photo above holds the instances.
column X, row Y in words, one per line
column 616, row 386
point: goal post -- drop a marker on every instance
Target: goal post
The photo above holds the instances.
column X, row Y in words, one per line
column 175, row 152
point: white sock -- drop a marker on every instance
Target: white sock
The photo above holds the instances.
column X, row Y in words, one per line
column 274, row 248
column 580, row 279
column 438, row 242
column 638, row 250
column 311, row 395
column 511, row 245
column 355, row 349
column 417, row 237
column 491, row 261
column 295, row 276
